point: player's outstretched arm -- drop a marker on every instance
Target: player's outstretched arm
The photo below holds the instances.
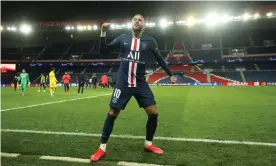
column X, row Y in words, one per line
column 156, row 53
column 104, row 47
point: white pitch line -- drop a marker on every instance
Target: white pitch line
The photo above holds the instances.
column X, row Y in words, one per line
column 124, row 163
column 78, row 160
column 55, row 102
column 9, row 154
column 68, row 159
column 143, row 137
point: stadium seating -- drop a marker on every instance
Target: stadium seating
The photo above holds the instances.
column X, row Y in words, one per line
column 114, row 69
column 32, row 50
column 81, row 47
column 180, row 79
column 267, row 66
column 205, row 54
column 233, row 75
column 54, row 52
column 97, row 70
column 211, row 66
column 234, row 38
column 156, row 77
column 246, row 66
column 10, row 50
column 260, row 76
column 261, row 50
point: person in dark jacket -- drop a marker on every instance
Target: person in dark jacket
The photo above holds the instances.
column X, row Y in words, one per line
column 15, row 82
column 94, row 82
column 81, row 82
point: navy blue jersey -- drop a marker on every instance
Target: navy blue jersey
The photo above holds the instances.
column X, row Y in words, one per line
column 134, row 55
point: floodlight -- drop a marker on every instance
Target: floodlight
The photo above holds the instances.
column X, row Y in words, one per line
column 257, row 15
column 246, row 16
column 67, row 28
column 225, row 18
column 1, row 28
column 80, row 28
column 89, row 27
column 190, row 21
column 163, row 23
column 112, row 26
column 211, row 19
column 129, row 25
column 26, row 29
column 13, row 28
column 181, row 22
column 270, row 14
column 150, row 24
column 95, row 27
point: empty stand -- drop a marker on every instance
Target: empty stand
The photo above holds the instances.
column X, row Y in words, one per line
column 205, row 54
column 233, row 75
column 260, row 76
column 267, row 66
column 180, row 79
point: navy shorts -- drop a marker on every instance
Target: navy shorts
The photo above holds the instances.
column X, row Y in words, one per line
column 142, row 93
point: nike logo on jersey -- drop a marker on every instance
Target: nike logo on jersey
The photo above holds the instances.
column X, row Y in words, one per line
column 135, row 56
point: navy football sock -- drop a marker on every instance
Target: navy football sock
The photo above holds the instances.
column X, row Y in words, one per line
column 151, row 126
column 108, row 127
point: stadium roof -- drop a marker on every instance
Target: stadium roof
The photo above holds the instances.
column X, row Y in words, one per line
column 89, row 10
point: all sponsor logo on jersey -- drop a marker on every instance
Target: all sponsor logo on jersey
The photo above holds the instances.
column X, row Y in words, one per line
column 134, row 55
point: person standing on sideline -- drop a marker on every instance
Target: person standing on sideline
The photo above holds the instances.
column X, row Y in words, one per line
column 42, row 82
column 15, row 81
column 81, row 82
column 104, row 81
column 94, row 81
column 53, row 81
column 66, row 81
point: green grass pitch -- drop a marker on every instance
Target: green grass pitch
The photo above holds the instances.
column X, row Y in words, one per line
column 221, row 113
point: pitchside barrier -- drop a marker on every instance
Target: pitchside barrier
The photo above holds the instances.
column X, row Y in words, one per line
column 220, row 84
column 188, row 84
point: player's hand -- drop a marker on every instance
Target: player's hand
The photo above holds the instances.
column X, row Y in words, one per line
column 105, row 26
column 173, row 79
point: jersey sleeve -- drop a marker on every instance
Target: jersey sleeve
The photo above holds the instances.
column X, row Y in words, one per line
column 156, row 53
column 106, row 48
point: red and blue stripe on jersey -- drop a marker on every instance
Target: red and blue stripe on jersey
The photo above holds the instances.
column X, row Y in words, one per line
column 135, row 53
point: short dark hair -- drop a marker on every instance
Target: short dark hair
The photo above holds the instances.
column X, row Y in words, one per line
column 52, row 68
column 139, row 15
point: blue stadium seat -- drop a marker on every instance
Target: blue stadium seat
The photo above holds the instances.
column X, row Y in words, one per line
column 260, row 76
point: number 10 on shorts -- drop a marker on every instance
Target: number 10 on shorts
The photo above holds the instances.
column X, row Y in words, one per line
column 117, row 93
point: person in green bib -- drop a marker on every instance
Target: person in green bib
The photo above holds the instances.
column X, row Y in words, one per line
column 24, row 81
